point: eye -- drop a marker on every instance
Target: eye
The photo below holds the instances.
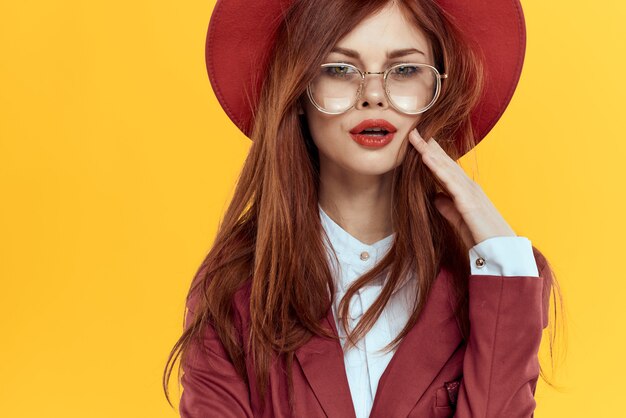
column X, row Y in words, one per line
column 406, row 71
column 339, row 71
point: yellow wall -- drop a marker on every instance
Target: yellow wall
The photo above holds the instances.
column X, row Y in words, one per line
column 116, row 162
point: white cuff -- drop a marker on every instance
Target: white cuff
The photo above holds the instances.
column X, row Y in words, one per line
column 503, row 256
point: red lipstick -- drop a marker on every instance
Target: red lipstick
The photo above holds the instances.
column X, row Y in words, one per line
column 373, row 132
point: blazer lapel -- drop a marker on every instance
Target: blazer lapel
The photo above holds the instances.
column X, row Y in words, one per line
column 322, row 361
column 419, row 356
column 416, row 362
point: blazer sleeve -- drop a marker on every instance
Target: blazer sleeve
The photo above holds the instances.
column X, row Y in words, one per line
column 501, row 367
column 211, row 385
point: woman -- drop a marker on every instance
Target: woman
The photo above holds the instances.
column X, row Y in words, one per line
column 339, row 284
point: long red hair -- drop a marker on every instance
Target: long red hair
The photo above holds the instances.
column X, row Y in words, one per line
column 275, row 203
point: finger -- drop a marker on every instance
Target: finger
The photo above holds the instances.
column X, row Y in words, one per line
column 430, row 149
column 438, row 161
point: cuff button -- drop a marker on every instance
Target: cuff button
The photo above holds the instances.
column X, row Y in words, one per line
column 480, row 262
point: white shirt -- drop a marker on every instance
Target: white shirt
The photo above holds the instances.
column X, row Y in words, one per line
column 504, row 256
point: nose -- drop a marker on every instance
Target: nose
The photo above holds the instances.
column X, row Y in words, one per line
column 373, row 92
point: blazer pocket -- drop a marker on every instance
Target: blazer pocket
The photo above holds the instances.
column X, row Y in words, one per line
column 447, row 395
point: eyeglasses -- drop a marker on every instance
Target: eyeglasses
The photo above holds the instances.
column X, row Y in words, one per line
column 411, row 88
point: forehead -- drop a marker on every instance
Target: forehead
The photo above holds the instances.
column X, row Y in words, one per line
column 385, row 31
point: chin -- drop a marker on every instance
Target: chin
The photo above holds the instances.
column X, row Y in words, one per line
column 371, row 168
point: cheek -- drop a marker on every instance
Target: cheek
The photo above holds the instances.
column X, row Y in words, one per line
column 327, row 133
column 331, row 142
column 396, row 151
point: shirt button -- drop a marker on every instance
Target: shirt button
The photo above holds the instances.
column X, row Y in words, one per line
column 365, row 255
column 480, row 262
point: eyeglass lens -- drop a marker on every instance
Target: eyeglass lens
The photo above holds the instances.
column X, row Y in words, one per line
column 411, row 88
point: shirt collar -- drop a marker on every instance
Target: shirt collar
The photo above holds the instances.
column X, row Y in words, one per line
column 349, row 251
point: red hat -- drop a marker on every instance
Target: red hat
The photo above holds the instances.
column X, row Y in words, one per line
column 239, row 30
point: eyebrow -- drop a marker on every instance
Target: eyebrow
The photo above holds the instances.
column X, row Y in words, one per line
column 390, row 54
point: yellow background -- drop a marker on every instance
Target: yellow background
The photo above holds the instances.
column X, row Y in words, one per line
column 116, row 162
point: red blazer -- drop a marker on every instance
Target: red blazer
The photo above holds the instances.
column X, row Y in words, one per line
column 433, row 373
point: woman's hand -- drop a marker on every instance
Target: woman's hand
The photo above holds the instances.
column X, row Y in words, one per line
column 469, row 210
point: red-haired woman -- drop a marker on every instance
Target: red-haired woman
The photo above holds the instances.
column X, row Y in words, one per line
column 358, row 271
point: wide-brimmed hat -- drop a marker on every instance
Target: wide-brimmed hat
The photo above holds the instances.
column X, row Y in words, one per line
column 240, row 39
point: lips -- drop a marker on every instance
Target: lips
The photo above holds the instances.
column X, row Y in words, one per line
column 382, row 135
column 386, row 126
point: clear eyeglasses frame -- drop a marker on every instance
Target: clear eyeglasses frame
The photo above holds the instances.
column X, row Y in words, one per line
column 438, row 78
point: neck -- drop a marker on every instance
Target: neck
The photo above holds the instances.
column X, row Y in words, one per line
column 359, row 204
